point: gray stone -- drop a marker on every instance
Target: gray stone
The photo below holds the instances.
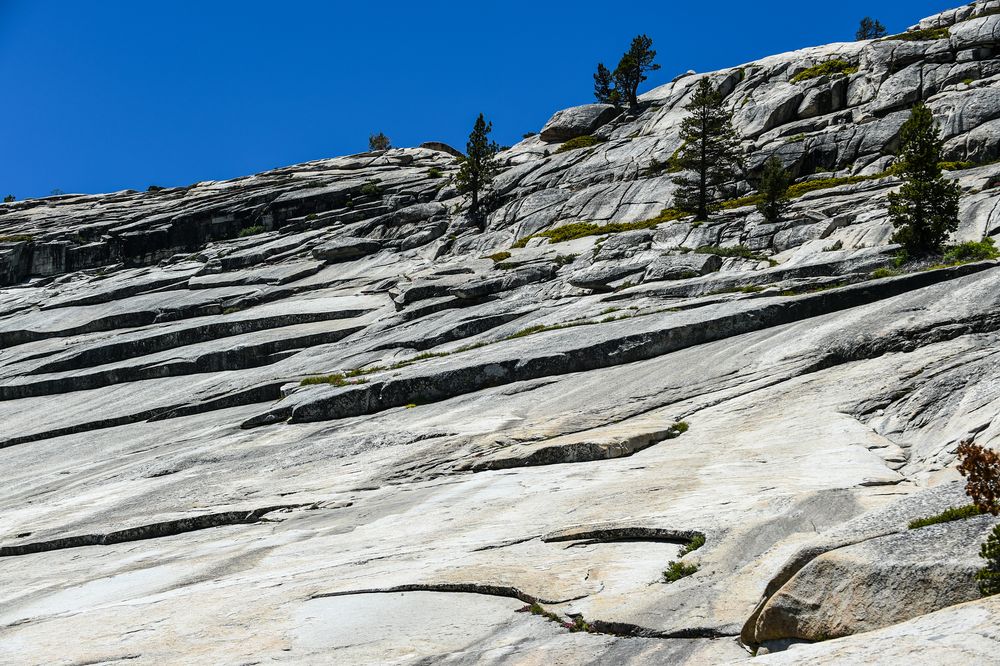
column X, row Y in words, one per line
column 577, row 121
column 682, row 266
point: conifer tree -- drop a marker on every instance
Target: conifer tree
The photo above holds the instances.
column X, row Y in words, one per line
column 925, row 209
column 989, row 576
column 709, row 155
column 479, row 165
column 622, row 85
column 870, row 29
column 773, row 189
column 604, row 90
column 378, row 142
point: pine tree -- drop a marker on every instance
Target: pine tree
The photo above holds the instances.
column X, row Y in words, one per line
column 622, row 85
column 773, row 189
column 709, row 154
column 925, row 210
column 632, row 68
column 989, row 576
column 479, row 165
column 379, row 142
column 870, row 29
column 9, row 198
column 604, row 90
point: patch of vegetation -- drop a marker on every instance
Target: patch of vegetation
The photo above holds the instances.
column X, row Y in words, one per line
column 411, row 406
column 694, row 544
column 371, row 188
column 799, row 189
column 798, row 138
column 17, row 238
column 154, row 188
column 981, row 467
column 10, row 198
column 955, row 166
column 577, row 230
column 677, row 570
column 835, row 67
column 251, row 231
column 499, row 256
column 565, row 259
column 946, row 516
column 746, row 289
column 311, row 216
column 586, row 141
column 434, row 172
column 927, row 35
column 968, row 81
column 971, row 251
column 677, row 429
column 988, row 577
column 741, row 251
column 336, row 379
column 880, row 273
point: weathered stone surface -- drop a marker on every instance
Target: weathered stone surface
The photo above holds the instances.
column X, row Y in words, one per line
column 679, row 267
column 577, row 121
column 344, row 248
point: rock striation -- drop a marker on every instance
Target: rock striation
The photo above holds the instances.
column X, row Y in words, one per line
column 319, row 414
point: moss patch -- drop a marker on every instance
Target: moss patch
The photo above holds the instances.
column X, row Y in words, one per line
column 921, row 35
column 677, row 570
column 836, row 67
column 946, row 516
column 586, row 141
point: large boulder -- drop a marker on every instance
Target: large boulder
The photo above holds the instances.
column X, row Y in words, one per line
column 601, row 275
column 577, row 121
column 878, row 583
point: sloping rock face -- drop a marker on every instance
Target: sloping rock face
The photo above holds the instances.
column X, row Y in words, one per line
column 318, row 414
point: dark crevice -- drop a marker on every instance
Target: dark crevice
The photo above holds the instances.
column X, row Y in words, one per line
column 144, row 532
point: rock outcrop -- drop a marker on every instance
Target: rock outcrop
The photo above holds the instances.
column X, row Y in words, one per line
column 319, row 413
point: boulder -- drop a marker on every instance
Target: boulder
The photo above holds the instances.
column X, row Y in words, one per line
column 624, row 245
column 577, row 121
column 600, row 275
column 679, row 267
column 441, row 148
column 878, row 583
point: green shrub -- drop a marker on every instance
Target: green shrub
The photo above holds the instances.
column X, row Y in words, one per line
column 586, row 141
column 251, row 231
column 946, row 516
column 694, row 544
column 989, row 576
column 311, row 216
column 968, row 81
column 834, row 67
column 677, row 570
column 922, row 35
column 434, row 172
column 10, row 198
column 880, row 273
column 798, row 138
column 16, row 238
column 499, row 256
column 370, row 188
column 971, row 251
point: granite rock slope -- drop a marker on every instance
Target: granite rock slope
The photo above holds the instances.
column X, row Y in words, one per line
column 502, row 441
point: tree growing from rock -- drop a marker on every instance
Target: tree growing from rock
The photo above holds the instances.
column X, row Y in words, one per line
column 379, row 142
column 622, row 85
column 981, row 467
column 773, row 190
column 604, row 86
column 479, row 165
column 925, row 210
column 988, row 577
column 709, row 156
column 870, row 29
column 9, row 198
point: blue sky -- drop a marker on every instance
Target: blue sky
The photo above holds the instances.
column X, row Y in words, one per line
column 107, row 95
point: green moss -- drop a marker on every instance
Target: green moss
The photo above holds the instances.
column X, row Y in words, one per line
column 677, row 570
column 836, row 67
column 677, row 429
column 956, row 166
column 411, row 406
column 971, row 251
column 251, row 231
column 434, row 172
column 576, row 230
column 17, row 238
column 371, row 188
column 586, row 141
column 746, row 289
column 946, row 516
column 921, row 35
column 499, row 256
column 798, row 138
column 968, row 81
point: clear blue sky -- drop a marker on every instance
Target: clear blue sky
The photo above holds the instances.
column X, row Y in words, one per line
column 103, row 95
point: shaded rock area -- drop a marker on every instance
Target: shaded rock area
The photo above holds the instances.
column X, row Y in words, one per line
column 319, row 414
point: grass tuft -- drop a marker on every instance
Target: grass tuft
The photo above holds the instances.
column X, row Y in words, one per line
column 946, row 516
column 677, row 570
